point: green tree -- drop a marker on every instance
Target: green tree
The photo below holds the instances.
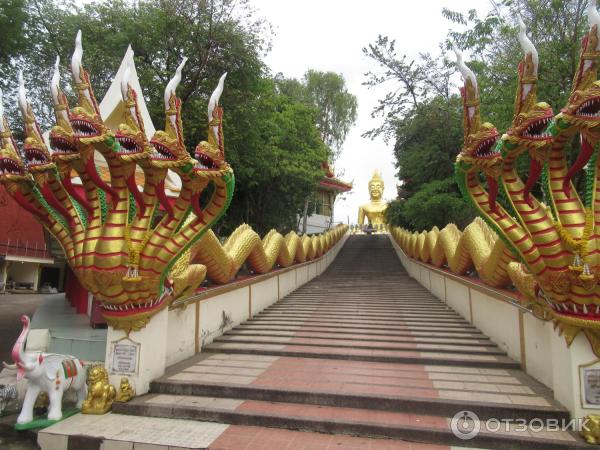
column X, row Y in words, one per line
column 217, row 36
column 13, row 16
column 277, row 159
column 431, row 206
column 409, row 82
column 423, row 115
column 335, row 105
column 427, row 141
column 422, row 109
column 271, row 140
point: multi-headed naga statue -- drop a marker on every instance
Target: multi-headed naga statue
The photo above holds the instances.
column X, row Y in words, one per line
column 550, row 250
column 136, row 251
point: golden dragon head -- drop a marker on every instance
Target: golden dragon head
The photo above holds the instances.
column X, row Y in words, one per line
column 62, row 138
column 169, row 147
column 12, row 168
column 35, row 153
column 210, row 163
column 210, row 154
column 531, row 119
column 583, row 107
column 88, row 127
column 131, row 134
column 479, row 151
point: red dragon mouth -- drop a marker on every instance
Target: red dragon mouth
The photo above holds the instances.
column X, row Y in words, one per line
column 162, row 153
column 10, row 167
column 128, row 145
column 537, row 129
column 487, row 148
column 589, row 109
column 205, row 162
column 35, row 157
column 84, row 129
column 131, row 308
column 61, row 145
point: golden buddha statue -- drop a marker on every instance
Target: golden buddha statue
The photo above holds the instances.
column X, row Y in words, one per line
column 375, row 209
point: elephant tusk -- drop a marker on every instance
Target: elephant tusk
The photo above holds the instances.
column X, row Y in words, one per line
column 9, row 366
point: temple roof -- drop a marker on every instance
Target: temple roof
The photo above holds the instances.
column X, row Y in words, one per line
column 330, row 182
column 333, row 184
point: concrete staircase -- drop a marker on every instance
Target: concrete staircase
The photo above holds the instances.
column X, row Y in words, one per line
column 361, row 351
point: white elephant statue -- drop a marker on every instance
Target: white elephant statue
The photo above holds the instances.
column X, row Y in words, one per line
column 46, row 372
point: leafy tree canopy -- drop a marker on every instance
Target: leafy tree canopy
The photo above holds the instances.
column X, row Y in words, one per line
column 422, row 110
column 336, row 107
column 273, row 141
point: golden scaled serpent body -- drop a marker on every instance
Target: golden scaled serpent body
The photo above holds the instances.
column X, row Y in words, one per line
column 140, row 251
column 224, row 261
column 477, row 247
column 555, row 243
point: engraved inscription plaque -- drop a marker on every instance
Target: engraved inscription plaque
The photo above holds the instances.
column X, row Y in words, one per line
column 125, row 357
column 590, row 385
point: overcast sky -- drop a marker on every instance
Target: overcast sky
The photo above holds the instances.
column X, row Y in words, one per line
column 329, row 35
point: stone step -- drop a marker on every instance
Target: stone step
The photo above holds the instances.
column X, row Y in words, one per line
column 361, row 344
column 396, row 317
column 376, row 331
column 425, row 389
column 431, row 429
column 363, row 354
column 439, row 310
column 401, row 338
column 366, row 312
column 359, row 321
column 238, row 437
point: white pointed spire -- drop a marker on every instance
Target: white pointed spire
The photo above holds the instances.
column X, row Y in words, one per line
column 216, row 95
column 76, row 58
column 214, row 102
column 462, row 67
column 55, row 81
column 22, row 94
column 174, row 82
column 126, row 78
column 527, row 46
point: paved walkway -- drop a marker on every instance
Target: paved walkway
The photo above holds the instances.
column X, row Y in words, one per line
column 360, row 357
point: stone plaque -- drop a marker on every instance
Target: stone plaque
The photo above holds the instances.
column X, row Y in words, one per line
column 125, row 355
column 589, row 375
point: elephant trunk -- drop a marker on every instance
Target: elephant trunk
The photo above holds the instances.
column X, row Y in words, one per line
column 18, row 354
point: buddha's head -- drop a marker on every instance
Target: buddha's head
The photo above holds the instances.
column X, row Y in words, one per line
column 376, row 186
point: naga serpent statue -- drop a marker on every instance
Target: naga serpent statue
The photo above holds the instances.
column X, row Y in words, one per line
column 136, row 250
column 549, row 250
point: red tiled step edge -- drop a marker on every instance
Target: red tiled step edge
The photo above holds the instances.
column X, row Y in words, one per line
column 240, row 437
column 422, row 404
column 336, row 420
